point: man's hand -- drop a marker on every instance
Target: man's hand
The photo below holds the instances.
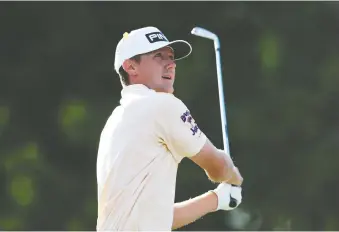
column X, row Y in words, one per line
column 229, row 197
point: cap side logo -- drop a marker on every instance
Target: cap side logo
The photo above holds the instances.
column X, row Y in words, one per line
column 156, row 37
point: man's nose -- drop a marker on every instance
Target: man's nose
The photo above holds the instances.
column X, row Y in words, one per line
column 171, row 64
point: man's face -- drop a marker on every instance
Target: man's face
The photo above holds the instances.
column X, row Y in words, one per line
column 156, row 70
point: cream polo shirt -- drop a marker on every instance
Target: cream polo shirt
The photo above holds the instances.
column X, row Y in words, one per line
column 141, row 145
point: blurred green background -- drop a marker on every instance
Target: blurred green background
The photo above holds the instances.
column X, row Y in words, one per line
column 281, row 76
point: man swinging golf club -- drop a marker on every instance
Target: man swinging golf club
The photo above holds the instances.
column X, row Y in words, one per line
column 147, row 136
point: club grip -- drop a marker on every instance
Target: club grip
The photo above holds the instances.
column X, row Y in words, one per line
column 233, row 202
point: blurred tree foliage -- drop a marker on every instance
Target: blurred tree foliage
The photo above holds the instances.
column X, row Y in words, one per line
column 281, row 77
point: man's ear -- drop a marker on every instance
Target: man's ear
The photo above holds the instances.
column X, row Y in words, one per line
column 130, row 67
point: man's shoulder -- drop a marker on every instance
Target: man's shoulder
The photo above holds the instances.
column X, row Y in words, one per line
column 167, row 105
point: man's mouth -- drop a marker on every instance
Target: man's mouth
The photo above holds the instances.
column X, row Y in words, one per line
column 167, row 77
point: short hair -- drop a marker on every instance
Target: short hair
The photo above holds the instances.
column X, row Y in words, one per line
column 124, row 75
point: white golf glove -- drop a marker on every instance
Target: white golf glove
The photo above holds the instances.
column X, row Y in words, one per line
column 229, row 197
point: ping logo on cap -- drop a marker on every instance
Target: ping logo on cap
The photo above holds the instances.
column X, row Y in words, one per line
column 156, row 37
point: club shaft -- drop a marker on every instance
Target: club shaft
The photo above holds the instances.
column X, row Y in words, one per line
column 221, row 98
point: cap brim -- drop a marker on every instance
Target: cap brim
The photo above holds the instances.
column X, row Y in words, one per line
column 181, row 49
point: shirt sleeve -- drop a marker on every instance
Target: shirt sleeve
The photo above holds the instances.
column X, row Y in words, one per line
column 177, row 127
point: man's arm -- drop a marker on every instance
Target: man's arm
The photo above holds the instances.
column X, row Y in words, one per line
column 183, row 137
column 191, row 210
column 224, row 197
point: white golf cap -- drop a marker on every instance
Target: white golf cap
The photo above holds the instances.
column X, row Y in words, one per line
column 144, row 40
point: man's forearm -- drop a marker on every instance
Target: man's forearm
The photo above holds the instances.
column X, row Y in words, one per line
column 229, row 173
column 189, row 211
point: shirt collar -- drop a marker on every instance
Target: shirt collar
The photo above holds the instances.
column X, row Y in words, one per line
column 138, row 89
column 131, row 92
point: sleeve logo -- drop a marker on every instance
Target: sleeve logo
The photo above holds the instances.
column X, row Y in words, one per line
column 187, row 118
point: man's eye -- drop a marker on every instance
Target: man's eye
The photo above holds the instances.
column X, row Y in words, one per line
column 171, row 57
column 158, row 55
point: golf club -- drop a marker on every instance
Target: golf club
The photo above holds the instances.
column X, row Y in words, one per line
column 198, row 31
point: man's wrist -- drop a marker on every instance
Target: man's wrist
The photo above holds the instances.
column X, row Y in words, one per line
column 230, row 167
column 213, row 199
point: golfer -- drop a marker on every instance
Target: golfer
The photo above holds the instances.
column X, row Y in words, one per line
column 147, row 136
